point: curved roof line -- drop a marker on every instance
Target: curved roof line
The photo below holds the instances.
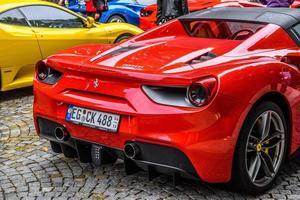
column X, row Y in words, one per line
column 284, row 17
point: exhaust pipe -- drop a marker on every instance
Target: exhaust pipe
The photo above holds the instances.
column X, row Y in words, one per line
column 131, row 150
column 61, row 134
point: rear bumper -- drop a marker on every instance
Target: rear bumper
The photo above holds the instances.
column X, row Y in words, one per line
column 205, row 137
column 152, row 158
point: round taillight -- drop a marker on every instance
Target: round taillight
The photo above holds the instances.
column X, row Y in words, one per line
column 142, row 13
column 42, row 70
column 201, row 92
column 145, row 13
column 197, row 95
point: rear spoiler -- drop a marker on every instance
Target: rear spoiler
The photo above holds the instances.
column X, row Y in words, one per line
column 176, row 79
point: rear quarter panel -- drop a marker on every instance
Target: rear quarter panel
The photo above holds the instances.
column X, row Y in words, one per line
column 248, row 83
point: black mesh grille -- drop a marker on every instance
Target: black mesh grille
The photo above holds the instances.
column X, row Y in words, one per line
column 47, row 127
column 165, row 156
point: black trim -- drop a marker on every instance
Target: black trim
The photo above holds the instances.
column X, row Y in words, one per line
column 153, row 158
column 283, row 17
column 165, row 157
column 46, row 129
column 294, row 35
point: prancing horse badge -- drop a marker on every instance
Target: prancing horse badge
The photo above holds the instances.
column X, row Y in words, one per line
column 96, row 83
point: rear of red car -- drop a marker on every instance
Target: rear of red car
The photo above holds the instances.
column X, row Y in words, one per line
column 159, row 112
column 154, row 101
column 208, row 96
column 81, row 106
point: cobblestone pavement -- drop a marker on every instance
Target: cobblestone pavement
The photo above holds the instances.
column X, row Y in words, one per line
column 30, row 170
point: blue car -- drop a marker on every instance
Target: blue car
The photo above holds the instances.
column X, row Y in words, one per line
column 118, row 10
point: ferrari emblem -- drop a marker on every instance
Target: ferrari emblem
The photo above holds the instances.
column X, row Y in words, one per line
column 96, row 83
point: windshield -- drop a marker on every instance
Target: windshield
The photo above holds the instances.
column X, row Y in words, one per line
column 146, row 2
column 230, row 30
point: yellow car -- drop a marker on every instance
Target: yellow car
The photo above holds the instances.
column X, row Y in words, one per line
column 31, row 30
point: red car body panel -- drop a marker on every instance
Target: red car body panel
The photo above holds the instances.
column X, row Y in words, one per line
column 148, row 22
column 206, row 135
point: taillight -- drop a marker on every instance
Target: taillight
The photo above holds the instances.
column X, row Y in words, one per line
column 202, row 92
column 198, row 94
column 42, row 70
column 146, row 13
column 46, row 74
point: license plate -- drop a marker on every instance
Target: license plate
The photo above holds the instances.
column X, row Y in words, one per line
column 93, row 118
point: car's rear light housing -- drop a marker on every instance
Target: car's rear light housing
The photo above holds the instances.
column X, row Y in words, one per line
column 46, row 74
column 201, row 93
column 146, row 13
column 198, row 94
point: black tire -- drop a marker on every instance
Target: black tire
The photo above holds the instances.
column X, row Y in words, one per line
column 55, row 146
column 116, row 18
column 240, row 177
column 68, row 151
column 123, row 37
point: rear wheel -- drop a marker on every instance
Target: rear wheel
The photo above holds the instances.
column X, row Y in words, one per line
column 122, row 38
column 261, row 149
column 116, row 18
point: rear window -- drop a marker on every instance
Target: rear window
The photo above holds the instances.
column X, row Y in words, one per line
column 229, row 30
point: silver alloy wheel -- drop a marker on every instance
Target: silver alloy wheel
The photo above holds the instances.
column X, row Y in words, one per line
column 116, row 19
column 265, row 148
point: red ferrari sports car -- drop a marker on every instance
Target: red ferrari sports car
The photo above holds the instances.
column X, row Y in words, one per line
column 213, row 96
column 148, row 14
